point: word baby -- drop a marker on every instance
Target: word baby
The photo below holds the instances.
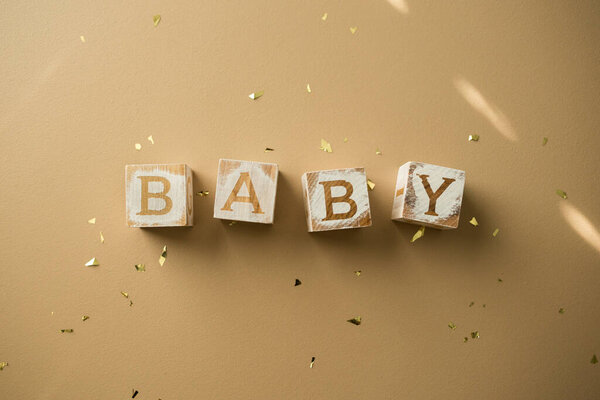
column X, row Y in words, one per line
column 162, row 195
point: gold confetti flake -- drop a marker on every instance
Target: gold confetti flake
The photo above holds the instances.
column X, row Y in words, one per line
column 101, row 238
column 378, row 152
column 451, row 325
column 471, row 304
column 163, row 256
column 82, row 38
column 345, row 140
column 85, row 317
column 475, row 335
column 544, row 141
column 561, row 193
column 474, row 222
column 156, row 20
column 151, row 139
column 357, row 273
column 298, row 282
column 140, row 267
column 3, row 364
column 465, row 339
column 473, row 138
column 202, row 193
column 495, row 233
column 312, row 362
column 324, row 17
column 138, row 146
column 92, row 263
column 125, row 294
column 325, row 146
column 92, row 220
column 256, row 95
column 561, row 310
column 308, row 88
column 370, row 184
column 419, row 234
column 353, row 29
column 268, row 149
column 355, row 320
column 594, row 359
column 66, row 330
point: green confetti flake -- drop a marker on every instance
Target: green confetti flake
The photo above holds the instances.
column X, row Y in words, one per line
column 474, row 222
column 471, row 304
column 544, row 141
column 156, row 19
column 298, row 282
column 561, row 193
column 500, row 280
column 594, row 359
column 66, row 330
column 85, row 317
column 475, row 335
column 355, row 320
column 312, row 362
column 473, row 138
column 202, row 193
column 419, row 234
column 451, row 325
column 561, row 310
column 495, row 233
column 256, row 95
column 3, row 364
column 140, row 267
column 465, row 339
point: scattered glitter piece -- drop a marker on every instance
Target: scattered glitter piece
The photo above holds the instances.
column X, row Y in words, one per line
column 465, row 339
column 561, row 310
column 156, row 20
column 138, row 146
column 125, row 294
column 357, row 273
column 483, row 306
column 85, row 317
column 308, row 88
column 370, row 184
column 345, row 140
column 495, row 233
column 268, row 149
column 66, row 330
column 140, row 267
column 500, row 280
column 202, row 193
column 419, row 234
column 134, row 393
column 82, row 38
column 451, row 325
column 325, row 146
column 471, row 304
column 232, row 223
column 3, row 364
column 130, row 303
column 297, row 283
column 101, row 238
column 151, row 139
column 594, row 359
column 473, row 138
column 92, row 263
column 353, row 29
column 312, row 361
column 544, row 141
column 163, row 256
column 324, row 17
column 92, row 220
column 256, row 95
column 355, row 320
column 378, row 152
column 474, row 222
column 561, row 193
column 475, row 335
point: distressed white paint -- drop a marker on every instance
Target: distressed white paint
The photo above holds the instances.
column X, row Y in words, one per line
column 412, row 205
column 314, row 199
column 264, row 179
column 180, row 193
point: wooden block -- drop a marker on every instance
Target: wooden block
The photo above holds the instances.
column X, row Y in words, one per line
column 336, row 199
column 246, row 191
column 428, row 195
column 158, row 195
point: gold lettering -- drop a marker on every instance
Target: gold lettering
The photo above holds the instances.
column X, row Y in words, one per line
column 233, row 197
column 329, row 200
column 160, row 195
column 434, row 196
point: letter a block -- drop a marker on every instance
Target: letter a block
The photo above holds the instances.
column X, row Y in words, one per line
column 246, row 191
column 336, row 199
column 428, row 195
column 158, row 195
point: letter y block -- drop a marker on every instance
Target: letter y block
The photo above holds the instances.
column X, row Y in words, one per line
column 428, row 195
column 158, row 195
column 336, row 199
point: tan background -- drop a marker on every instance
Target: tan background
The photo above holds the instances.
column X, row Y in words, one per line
column 221, row 319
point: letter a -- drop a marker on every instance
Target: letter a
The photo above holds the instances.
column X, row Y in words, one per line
column 233, row 197
column 434, row 196
column 329, row 200
column 160, row 195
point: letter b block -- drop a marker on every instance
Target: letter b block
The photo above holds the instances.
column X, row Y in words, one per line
column 428, row 195
column 336, row 199
column 158, row 195
column 246, row 191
